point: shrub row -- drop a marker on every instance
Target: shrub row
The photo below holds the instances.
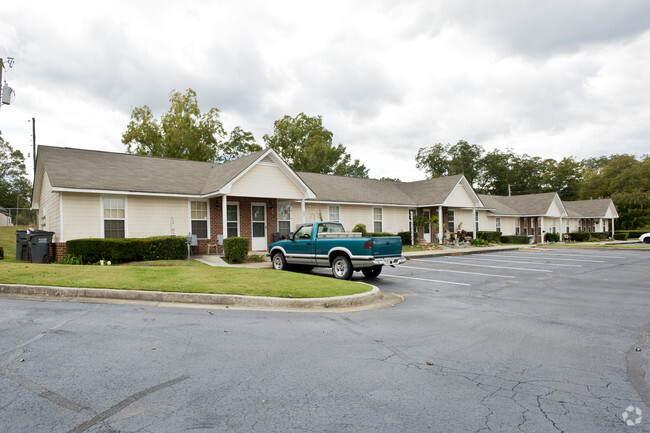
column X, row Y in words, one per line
column 620, row 236
column 633, row 233
column 406, row 237
column 579, row 236
column 128, row 249
column 380, row 234
column 514, row 239
column 488, row 236
column 552, row 237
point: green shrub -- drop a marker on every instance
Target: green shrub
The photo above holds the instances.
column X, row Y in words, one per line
column 360, row 228
column 514, row 239
column 380, row 234
column 479, row 242
column 235, row 249
column 259, row 258
column 406, row 237
column 636, row 233
column 552, row 237
column 620, row 236
column 579, row 236
column 488, row 236
column 70, row 259
column 603, row 236
column 128, row 249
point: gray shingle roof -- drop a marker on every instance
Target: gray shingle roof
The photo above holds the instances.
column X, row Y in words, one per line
column 99, row 170
column 529, row 204
column 588, row 208
column 430, row 191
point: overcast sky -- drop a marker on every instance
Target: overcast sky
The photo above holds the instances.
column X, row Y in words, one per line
column 549, row 78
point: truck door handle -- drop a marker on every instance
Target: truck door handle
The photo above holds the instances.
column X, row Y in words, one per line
column 308, row 243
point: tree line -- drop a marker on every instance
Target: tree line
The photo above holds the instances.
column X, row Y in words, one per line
column 186, row 133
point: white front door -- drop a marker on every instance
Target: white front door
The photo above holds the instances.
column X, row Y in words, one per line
column 258, row 221
column 427, row 227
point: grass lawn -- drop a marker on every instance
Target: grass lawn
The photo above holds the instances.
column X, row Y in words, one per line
column 170, row 276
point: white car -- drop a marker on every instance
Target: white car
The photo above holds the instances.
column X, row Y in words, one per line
column 645, row 238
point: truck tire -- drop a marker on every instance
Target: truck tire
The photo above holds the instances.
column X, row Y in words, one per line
column 279, row 262
column 372, row 271
column 342, row 268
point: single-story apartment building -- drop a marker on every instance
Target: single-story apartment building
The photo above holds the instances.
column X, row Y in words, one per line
column 5, row 217
column 86, row 194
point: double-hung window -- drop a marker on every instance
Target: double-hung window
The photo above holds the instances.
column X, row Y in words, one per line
column 451, row 223
column 284, row 218
column 199, row 217
column 498, row 224
column 232, row 220
column 377, row 219
column 114, row 217
column 334, row 213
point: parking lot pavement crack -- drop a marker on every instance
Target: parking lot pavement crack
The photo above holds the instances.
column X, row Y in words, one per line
column 543, row 412
column 636, row 368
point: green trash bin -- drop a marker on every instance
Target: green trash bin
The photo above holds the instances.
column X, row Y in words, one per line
column 39, row 246
column 22, row 246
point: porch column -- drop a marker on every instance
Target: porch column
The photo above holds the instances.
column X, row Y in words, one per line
column 474, row 223
column 440, row 220
column 612, row 228
column 541, row 230
column 224, row 215
column 302, row 209
column 561, row 234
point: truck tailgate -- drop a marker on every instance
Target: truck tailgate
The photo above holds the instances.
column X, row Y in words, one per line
column 387, row 246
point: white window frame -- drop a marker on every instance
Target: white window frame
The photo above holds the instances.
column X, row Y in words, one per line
column 330, row 208
column 207, row 218
column 497, row 224
column 283, row 204
column 233, row 203
column 451, row 220
column 102, row 197
column 476, row 218
column 380, row 221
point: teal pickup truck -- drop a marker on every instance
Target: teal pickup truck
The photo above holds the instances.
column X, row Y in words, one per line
column 326, row 244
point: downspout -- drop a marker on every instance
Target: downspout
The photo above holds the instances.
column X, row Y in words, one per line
column 474, row 221
column 440, row 224
column 302, row 209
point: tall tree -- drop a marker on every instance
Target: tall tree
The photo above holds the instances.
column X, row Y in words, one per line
column 563, row 177
column 433, row 160
column 444, row 160
column 496, row 176
column 184, row 132
column 15, row 188
column 306, row 145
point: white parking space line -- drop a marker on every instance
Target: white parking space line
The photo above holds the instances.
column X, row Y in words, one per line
column 528, row 263
column 581, row 255
column 497, row 267
column 564, row 260
column 447, row 270
column 426, row 279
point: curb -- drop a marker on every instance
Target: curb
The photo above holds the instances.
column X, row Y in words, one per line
column 460, row 252
column 368, row 300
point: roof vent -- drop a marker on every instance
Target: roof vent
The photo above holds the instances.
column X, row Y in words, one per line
column 267, row 161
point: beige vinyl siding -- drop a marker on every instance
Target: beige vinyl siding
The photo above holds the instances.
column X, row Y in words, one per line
column 151, row 216
column 49, row 207
column 394, row 219
column 508, row 225
column 266, row 181
column 459, row 198
column 462, row 216
column 554, row 210
column 81, row 216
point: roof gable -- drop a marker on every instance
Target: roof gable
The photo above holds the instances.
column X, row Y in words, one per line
column 601, row 208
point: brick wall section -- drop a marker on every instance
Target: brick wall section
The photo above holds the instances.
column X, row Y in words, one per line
column 58, row 250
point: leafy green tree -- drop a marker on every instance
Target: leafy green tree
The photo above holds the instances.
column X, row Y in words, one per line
column 465, row 159
column 393, row 179
column 185, row 133
column 496, row 174
column 306, row 145
column 15, row 188
column 563, row 177
column 433, row 160
column 633, row 209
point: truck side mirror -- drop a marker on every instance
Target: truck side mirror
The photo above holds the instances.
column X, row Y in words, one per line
column 291, row 237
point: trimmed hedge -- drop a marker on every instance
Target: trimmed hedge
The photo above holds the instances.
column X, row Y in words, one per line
column 633, row 233
column 360, row 228
column 514, row 239
column 488, row 236
column 406, row 237
column 579, row 236
column 128, row 249
column 235, row 250
column 620, row 236
column 380, row 234
column 552, row 237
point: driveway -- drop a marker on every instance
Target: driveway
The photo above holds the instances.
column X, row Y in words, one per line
column 514, row 341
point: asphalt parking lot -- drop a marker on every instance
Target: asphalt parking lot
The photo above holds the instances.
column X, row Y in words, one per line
column 530, row 341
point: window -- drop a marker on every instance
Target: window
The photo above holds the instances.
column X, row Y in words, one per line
column 525, row 227
column 451, row 217
column 554, row 230
column 498, row 224
column 377, row 219
column 304, row 232
column 199, row 218
column 333, row 213
column 284, row 218
column 476, row 219
column 567, row 229
column 232, row 220
column 517, row 228
column 114, row 217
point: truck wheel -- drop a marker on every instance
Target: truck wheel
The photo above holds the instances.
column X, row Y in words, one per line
column 342, row 268
column 372, row 271
column 279, row 262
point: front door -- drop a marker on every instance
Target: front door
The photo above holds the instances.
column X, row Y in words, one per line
column 259, row 227
column 427, row 227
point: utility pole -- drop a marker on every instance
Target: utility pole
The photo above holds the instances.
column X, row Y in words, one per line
column 34, row 143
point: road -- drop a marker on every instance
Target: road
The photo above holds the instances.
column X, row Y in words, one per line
column 504, row 342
